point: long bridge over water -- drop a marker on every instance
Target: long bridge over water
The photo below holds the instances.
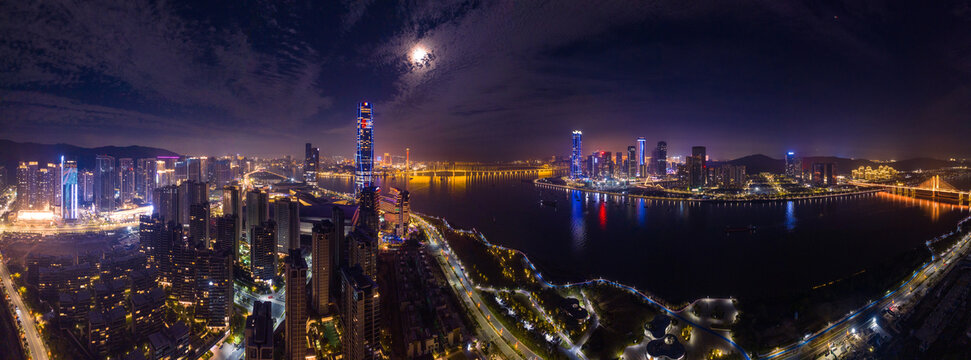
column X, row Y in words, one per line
column 934, row 189
column 487, row 170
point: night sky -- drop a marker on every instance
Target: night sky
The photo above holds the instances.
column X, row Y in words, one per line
column 501, row 80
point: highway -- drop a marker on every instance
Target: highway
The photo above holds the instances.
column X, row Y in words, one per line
column 924, row 279
column 490, row 329
column 38, row 350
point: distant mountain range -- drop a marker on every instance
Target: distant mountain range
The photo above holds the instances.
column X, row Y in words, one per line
column 12, row 153
column 761, row 163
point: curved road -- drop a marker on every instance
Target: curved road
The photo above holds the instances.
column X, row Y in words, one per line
column 36, row 345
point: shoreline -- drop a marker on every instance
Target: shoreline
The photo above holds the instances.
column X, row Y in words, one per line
column 539, row 182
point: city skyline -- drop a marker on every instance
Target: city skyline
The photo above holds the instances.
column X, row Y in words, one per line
column 743, row 79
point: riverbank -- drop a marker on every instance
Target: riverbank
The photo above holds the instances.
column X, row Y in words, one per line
column 543, row 182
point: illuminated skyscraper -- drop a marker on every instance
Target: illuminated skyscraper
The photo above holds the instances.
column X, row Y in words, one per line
column 631, row 161
column 576, row 157
column 697, row 167
column 791, row 163
column 310, row 163
column 641, row 155
column 104, row 183
column 364, row 159
column 286, row 212
column 661, row 158
column 69, row 190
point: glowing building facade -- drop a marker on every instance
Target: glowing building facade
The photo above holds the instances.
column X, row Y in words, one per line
column 69, row 190
column 364, row 158
column 641, row 152
column 576, row 157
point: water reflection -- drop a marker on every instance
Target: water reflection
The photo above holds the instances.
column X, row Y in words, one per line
column 790, row 215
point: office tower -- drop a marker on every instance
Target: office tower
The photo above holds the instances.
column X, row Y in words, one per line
column 631, row 161
column 257, row 210
column 618, row 163
column 608, row 171
column 360, row 311
column 145, row 179
column 166, row 204
column 126, row 175
column 104, row 183
column 320, row 257
column 661, row 159
column 259, row 332
column 286, row 212
column 86, row 186
column 263, row 251
column 233, row 205
column 397, row 210
column 823, row 174
column 199, row 223
column 227, row 234
column 697, row 167
column 205, row 165
column 364, row 158
column 641, row 155
column 69, row 190
column 791, row 164
column 181, row 169
column 296, row 307
column 214, row 283
column 311, row 162
column 576, row 156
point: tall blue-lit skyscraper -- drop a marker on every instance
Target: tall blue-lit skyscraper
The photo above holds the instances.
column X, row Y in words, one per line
column 641, row 151
column 69, row 190
column 791, row 163
column 576, row 158
column 364, row 159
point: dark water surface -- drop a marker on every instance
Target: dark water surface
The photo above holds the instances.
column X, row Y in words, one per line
column 681, row 250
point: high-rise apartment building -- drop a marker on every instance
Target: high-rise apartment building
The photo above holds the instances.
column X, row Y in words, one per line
column 296, row 306
column 257, row 211
column 360, row 309
column 322, row 272
column 697, row 167
column 126, row 176
column 364, row 158
column 263, row 251
column 287, row 215
column 259, row 332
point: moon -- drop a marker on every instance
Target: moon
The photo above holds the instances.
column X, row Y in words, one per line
column 418, row 54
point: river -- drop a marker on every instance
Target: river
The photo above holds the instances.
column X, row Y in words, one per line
column 680, row 250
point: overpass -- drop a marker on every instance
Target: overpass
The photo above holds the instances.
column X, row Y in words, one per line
column 934, row 189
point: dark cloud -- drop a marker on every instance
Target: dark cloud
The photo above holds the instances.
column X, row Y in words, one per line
column 502, row 80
